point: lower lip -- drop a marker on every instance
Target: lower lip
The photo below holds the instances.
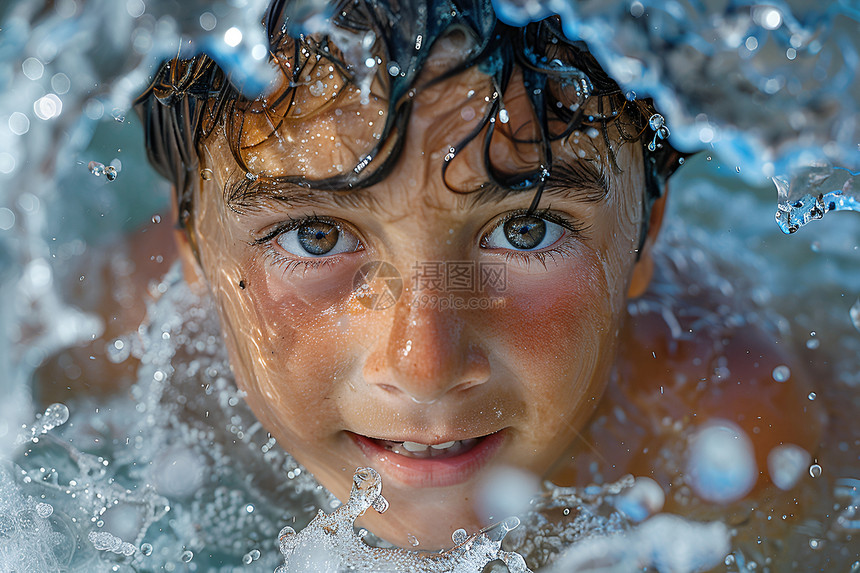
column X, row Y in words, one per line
column 430, row 472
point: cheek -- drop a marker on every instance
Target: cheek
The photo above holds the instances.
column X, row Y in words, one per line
column 554, row 322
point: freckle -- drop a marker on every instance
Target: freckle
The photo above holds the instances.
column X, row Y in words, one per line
column 242, row 285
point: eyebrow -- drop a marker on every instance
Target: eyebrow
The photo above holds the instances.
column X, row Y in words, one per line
column 579, row 180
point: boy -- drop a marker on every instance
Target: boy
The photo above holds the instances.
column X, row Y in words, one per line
column 421, row 241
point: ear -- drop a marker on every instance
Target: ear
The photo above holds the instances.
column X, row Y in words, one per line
column 191, row 269
column 644, row 267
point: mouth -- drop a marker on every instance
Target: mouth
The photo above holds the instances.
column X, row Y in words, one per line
column 439, row 464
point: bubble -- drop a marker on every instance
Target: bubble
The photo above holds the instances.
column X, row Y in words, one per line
column 19, row 124
column 255, row 554
column 7, row 219
column 32, row 68
column 156, row 219
column 61, row 83
column 55, row 415
column 110, row 173
column 247, row 559
column 413, row 541
column 135, row 8
column 233, row 37
column 854, row 313
column 643, row 499
column 636, row 10
column 503, row 116
column 206, row 174
column 721, row 465
column 751, row 43
column 146, row 549
column 186, row 556
column 781, row 373
column 814, row 470
column 393, row 68
column 785, row 464
column 812, row 396
column 208, row 21
column 7, row 162
column 44, row 509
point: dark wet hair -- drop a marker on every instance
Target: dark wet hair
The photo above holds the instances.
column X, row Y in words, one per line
column 188, row 98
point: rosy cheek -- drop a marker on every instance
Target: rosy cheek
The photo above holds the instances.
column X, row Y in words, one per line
column 552, row 324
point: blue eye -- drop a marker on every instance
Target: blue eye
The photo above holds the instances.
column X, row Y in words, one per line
column 523, row 233
column 317, row 238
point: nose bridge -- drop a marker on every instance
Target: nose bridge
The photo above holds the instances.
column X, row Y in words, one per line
column 427, row 354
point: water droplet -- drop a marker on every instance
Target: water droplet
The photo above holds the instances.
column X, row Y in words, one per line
column 44, row 509
column 393, row 68
column 813, row 343
column 146, row 549
column 317, row 88
column 186, row 556
column 815, row 543
column 781, row 373
column 110, row 173
column 413, row 541
column 656, row 121
column 249, row 508
column 812, row 396
column 737, row 169
column 503, row 116
column 459, row 536
column 255, row 554
column 156, row 219
column 96, row 168
column 247, row 559
column 854, row 313
column 815, row 470
column 118, row 115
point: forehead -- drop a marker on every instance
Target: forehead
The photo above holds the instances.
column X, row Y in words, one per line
column 288, row 144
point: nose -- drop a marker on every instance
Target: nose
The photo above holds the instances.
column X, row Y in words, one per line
column 427, row 354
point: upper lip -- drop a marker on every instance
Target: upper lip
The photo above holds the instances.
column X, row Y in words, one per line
column 430, row 441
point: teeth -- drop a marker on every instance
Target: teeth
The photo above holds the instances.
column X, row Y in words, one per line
column 415, row 447
column 444, row 446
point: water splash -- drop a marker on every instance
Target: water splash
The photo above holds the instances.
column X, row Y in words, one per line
column 813, row 192
column 55, row 415
column 769, row 88
column 329, row 544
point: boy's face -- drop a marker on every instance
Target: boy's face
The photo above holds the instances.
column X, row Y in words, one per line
column 500, row 340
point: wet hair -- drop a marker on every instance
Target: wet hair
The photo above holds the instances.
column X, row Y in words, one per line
column 189, row 98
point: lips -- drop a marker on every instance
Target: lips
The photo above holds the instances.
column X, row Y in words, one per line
column 417, row 464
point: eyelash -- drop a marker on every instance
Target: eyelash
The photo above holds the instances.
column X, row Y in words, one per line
column 289, row 264
column 575, row 228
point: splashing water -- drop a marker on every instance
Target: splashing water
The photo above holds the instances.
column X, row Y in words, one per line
column 771, row 89
column 329, row 544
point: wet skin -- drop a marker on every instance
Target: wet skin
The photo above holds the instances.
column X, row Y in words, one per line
column 329, row 377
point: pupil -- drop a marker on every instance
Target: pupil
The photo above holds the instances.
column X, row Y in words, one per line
column 318, row 238
column 525, row 232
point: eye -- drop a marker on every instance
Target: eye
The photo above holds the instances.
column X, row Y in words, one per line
column 523, row 232
column 317, row 238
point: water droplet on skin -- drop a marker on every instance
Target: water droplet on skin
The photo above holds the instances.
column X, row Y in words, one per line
column 110, row 173
column 812, row 396
column 393, row 68
column 118, row 115
column 156, row 219
column 503, row 116
column 781, row 373
column 206, row 174
column 459, row 536
column 413, row 541
column 815, row 470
